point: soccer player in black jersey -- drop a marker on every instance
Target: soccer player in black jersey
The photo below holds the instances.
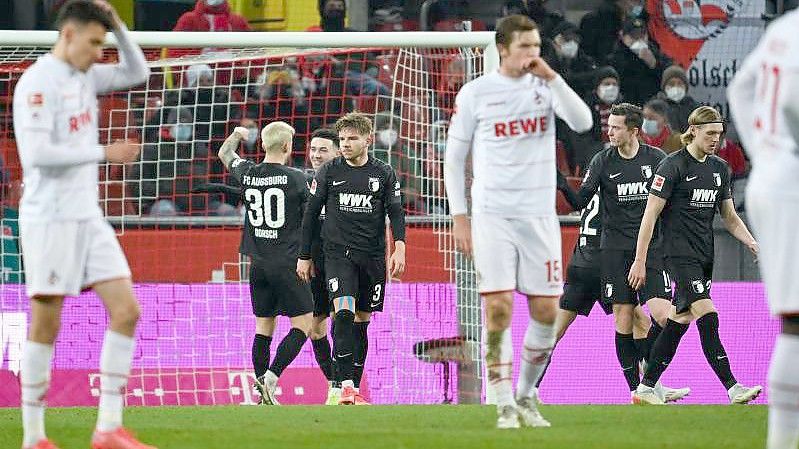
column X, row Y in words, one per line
column 622, row 174
column 357, row 192
column 275, row 196
column 583, row 282
column 322, row 147
column 688, row 187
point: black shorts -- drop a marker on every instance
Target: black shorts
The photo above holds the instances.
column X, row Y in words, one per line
column 693, row 279
column 278, row 291
column 583, row 288
column 321, row 299
column 362, row 277
column 616, row 266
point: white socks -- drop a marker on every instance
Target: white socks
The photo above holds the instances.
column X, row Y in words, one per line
column 115, row 361
column 783, row 412
column 538, row 343
column 35, row 379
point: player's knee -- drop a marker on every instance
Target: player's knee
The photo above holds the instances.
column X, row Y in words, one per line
column 44, row 330
column 623, row 319
column 303, row 323
column 127, row 315
column 498, row 314
column 318, row 329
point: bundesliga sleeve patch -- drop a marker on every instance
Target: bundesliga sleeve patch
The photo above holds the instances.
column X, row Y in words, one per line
column 657, row 183
column 36, row 100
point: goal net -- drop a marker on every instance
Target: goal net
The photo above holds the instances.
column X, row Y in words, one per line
column 195, row 334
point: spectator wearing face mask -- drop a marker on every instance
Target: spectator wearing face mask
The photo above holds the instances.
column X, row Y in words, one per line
column 389, row 148
column 655, row 130
column 569, row 60
column 639, row 62
column 599, row 29
column 332, row 16
column 211, row 15
column 674, row 91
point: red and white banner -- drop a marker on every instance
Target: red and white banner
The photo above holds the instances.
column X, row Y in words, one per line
column 709, row 38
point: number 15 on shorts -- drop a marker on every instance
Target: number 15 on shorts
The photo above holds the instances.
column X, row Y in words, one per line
column 553, row 271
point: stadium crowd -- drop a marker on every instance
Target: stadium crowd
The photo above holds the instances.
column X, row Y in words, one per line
column 608, row 58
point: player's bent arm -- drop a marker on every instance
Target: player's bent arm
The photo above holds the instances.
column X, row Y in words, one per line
column 741, row 94
column 569, row 106
column 455, row 174
column 132, row 67
column 310, row 219
column 654, row 206
column 590, row 183
column 36, row 149
column 734, row 225
column 227, row 152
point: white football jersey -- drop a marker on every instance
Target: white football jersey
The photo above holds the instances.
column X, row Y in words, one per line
column 761, row 95
column 510, row 124
column 55, row 124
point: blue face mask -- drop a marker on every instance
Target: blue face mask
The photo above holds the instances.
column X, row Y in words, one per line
column 636, row 10
column 182, row 132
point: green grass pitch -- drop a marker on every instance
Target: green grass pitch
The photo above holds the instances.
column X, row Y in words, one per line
column 387, row 427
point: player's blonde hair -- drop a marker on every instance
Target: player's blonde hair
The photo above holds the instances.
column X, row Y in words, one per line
column 276, row 136
column 700, row 116
column 356, row 121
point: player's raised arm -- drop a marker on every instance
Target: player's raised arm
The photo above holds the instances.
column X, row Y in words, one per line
column 227, row 152
column 132, row 67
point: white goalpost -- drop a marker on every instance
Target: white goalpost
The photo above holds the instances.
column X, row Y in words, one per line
column 182, row 241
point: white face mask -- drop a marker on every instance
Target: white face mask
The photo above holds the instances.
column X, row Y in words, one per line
column 639, row 45
column 214, row 2
column 636, row 10
column 675, row 93
column 650, row 127
column 387, row 136
column 252, row 136
column 569, row 49
column 608, row 93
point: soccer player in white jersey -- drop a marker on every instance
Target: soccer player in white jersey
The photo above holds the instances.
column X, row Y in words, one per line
column 507, row 119
column 67, row 246
column 763, row 99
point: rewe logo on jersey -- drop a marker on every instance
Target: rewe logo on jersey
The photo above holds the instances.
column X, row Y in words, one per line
column 518, row 127
column 76, row 122
column 631, row 191
column 704, row 197
column 355, row 202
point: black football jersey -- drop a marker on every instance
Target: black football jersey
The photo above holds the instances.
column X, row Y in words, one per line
column 693, row 191
column 586, row 251
column 623, row 187
column 356, row 201
column 275, row 197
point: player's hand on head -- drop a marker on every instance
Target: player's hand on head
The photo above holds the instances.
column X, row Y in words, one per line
column 462, row 231
column 541, row 69
column 637, row 275
column 122, row 151
column 242, row 132
column 305, row 269
column 109, row 9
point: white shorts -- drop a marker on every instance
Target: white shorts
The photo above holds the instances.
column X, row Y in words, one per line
column 520, row 254
column 773, row 219
column 63, row 258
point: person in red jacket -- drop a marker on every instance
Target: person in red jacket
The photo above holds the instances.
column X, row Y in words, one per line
column 211, row 15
